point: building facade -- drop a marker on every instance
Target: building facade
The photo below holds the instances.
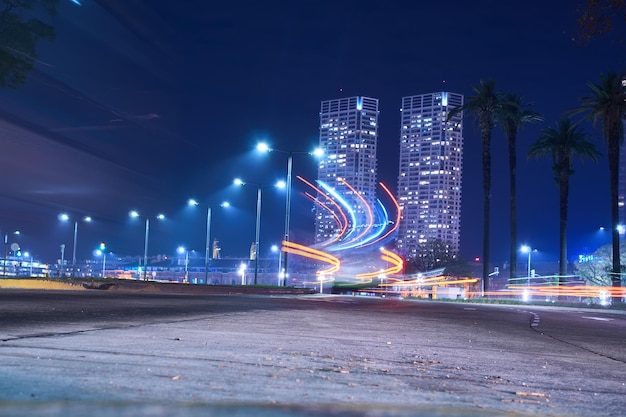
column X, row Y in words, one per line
column 429, row 180
column 348, row 135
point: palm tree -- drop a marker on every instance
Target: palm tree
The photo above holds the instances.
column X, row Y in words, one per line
column 563, row 143
column 483, row 106
column 607, row 105
column 511, row 117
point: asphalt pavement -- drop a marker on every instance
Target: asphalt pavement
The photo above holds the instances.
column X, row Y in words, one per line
column 107, row 353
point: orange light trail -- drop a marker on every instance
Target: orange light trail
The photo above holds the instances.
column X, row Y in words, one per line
column 332, row 200
column 592, row 291
column 311, row 253
column 387, row 256
column 368, row 208
column 398, row 215
column 335, row 217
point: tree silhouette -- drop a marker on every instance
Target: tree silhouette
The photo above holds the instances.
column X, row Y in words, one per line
column 511, row 117
column 563, row 143
column 484, row 106
column 20, row 31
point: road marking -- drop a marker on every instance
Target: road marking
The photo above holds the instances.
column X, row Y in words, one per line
column 469, row 308
column 535, row 320
column 597, row 318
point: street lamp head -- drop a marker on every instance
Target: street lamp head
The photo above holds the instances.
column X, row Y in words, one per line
column 238, row 181
column 181, row 249
column 133, row 213
column 318, row 152
column 64, row 217
column 281, row 184
column 192, row 202
column 263, row 147
column 525, row 249
column 225, row 204
column 87, row 219
column 160, row 216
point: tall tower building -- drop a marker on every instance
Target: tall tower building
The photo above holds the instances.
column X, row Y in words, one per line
column 348, row 136
column 429, row 181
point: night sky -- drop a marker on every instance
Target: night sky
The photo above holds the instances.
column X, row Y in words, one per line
column 144, row 104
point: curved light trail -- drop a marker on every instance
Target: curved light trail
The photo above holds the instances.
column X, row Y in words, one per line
column 352, row 234
column 390, row 257
column 307, row 252
column 344, row 226
column 368, row 209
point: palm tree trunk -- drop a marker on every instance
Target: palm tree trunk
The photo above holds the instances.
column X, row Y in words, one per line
column 512, row 180
column 613, row 148
column 486, row 126
column 564, row 174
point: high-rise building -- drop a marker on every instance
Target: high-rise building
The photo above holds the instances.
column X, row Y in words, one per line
column 429, row 181
column 348, row 136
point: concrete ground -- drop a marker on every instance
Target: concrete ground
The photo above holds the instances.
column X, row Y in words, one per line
column 142, row 352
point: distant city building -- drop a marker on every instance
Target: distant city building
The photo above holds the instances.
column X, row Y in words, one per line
column 429, row 180
column 348, row 136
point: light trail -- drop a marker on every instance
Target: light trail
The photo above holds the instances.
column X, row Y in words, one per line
column 311, row 253
column 387, row 256
column 343, row 203
column 343, row 214
column 398, row 214
column 368, row 209
column 340, row 226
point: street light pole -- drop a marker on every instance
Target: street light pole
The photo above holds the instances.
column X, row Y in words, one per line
column 4, row 264
column 528, row 282
column 65, row 217
column 145, row 251
column 276, row 249
column 287, row 216
column 258, row 233
column 207, row 245
column 104, row 264
column 264, row 147
column 62, row 268
column 527, row 249
column 257, row 243
column 186, row 265
column 74, row 249
column 135, row 214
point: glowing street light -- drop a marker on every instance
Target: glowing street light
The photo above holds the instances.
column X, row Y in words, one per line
column 318, row 152
column 242, row 271
column 257, row 245
column 181, row 250
column 101, row 251
column 64, row 217
column 193, row 202
column 29, row 255
column 276, row 249
column 135, row 214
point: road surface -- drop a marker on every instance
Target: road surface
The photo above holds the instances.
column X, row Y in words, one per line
column 107, row 353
